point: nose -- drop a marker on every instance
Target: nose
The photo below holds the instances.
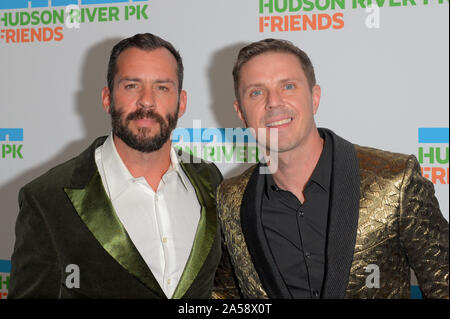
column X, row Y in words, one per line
column 146, row 98
column 274, row 99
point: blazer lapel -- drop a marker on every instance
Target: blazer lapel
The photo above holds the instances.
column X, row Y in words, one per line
column 90, row 201
column 342, row 219
column 256, row 241
column 206, row 230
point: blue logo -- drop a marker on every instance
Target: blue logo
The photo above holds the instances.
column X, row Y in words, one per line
column 433, row 134
column 416, row 293
column 433, row 154
column 9, row 146
column 11, row 134
column 23, row 4
column 5, row 270
column 5, row 266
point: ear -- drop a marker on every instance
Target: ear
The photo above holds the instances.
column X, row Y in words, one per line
column 106, row 99
column 240, row 113
column 316, row 92
column 183, row 103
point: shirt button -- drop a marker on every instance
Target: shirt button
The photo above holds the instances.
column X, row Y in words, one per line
column 169, row 281
column 164, row 240
column 301, row 213
column 307, row 254
column 315, row 293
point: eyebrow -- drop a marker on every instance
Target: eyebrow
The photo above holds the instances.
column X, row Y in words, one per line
column 262, row 84
column 159, row 81
column 129, row 79
column 165, row 81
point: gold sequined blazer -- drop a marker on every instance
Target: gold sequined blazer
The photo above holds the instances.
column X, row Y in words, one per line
column 383, row 214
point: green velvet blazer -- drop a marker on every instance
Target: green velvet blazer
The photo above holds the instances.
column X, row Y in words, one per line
column 67, row 219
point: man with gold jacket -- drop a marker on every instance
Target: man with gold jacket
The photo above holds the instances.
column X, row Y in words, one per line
column 333, row 219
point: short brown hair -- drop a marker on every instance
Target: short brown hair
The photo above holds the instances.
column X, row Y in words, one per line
column 147, row 42
column 271, row 45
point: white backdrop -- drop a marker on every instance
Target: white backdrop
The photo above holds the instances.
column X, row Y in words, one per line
column 384, row 74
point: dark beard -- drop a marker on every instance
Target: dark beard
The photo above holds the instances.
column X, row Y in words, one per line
column 140, row 141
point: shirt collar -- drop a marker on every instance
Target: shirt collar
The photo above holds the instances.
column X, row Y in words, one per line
column 321, row 174
column 270, row 185
column 175, row 164
column 119, row 178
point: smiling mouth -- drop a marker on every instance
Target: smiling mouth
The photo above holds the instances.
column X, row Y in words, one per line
column 281, row 122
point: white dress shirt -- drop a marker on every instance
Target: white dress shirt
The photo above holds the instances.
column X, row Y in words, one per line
column 161, row 224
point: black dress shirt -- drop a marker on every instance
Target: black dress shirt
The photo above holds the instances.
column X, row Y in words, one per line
column 297, row 232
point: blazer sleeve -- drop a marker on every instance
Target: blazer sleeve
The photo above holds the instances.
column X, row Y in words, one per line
column 225, row 281
column 424, row 232
column 34, row 267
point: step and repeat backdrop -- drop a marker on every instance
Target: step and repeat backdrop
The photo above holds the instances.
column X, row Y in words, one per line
column 383, row 66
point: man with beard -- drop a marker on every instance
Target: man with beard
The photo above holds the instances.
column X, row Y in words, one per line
column 130, row 217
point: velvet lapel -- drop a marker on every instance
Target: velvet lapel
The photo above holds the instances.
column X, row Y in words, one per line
column 206, row 230
column 342, row 218
column 256, row 240
column 90, row 201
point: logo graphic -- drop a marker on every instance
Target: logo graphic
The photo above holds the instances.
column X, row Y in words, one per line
column 299, row 22
column 5, row 270
column 433, row 153
column 9, row 138
column 22, row 4
column 283, row 15
column 47, row 21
